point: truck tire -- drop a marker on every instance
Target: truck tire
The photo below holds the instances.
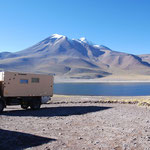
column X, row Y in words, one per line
column 24, row 106
column 35, row 104
column 1, row 106
column 24, row 103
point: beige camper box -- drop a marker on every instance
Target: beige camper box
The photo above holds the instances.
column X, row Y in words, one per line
column 25, row 89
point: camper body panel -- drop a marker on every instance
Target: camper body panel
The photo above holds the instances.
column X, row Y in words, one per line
column 26, row 85
column 25, row 89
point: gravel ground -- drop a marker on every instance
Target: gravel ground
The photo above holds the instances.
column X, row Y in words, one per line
column 76, row 123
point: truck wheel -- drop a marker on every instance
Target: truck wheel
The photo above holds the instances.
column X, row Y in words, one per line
column 24, row 106
column 1, row 106
column 35, row 104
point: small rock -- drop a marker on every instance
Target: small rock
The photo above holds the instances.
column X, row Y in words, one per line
column 134, row 139
column 91, row 141
column 148, row 138
column 96, row 142
column 79, row 138
column 125, row 146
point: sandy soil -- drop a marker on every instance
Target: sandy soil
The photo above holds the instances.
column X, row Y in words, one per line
column 107, row 79
column 76, row 123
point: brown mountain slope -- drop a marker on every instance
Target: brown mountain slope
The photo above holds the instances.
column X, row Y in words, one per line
column 74, row 59
column 145, row 57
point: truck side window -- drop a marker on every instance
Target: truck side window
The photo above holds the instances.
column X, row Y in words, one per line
column 23, row 81
column 35, row 80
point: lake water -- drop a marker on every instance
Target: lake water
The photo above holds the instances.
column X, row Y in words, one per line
column 103, row 89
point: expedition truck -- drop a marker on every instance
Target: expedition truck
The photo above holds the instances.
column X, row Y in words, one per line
column 25, row 89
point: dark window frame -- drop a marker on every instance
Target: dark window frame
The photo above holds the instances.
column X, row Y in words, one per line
column 35, row 80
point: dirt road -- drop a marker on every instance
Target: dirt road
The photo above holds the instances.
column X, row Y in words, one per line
column 76, row 123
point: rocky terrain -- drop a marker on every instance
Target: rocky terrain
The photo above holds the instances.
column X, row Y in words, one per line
column 77, row 123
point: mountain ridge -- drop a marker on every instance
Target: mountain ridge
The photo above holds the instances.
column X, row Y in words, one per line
column 74, row 58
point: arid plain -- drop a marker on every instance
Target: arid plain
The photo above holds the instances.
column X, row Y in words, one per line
column 78, row 123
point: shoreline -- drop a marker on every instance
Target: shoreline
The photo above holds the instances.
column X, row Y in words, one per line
column 138, row 100
column 99, row 81
column 108, row 79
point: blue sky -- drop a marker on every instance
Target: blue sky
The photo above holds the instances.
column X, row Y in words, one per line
column 122, row 25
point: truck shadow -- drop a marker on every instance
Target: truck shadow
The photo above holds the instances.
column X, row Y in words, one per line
column 10, row 140
column 56, row 111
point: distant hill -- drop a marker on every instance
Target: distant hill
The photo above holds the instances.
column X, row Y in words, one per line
column 76, row 59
